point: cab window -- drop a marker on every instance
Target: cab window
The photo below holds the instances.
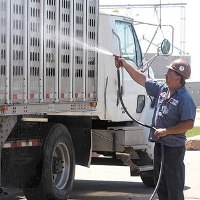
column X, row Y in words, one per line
column 130, row 47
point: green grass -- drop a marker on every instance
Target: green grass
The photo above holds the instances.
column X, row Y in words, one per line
column 193, row 132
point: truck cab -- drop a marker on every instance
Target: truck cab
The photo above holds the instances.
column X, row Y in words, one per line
column 117, row 35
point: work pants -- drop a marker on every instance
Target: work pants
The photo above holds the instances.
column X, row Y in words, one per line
column 173, row 177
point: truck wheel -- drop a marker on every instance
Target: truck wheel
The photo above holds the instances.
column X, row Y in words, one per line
column 148, row 181
column 58, row 167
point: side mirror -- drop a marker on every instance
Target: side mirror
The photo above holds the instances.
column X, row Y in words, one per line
column 165, row 47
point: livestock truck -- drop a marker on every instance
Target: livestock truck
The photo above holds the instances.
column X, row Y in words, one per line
column 59, row 100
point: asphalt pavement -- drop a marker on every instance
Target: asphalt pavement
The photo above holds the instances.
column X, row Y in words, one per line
column 115, row 183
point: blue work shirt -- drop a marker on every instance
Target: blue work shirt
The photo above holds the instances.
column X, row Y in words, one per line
column 170, row 111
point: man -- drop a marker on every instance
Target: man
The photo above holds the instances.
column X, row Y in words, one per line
column 174, row 114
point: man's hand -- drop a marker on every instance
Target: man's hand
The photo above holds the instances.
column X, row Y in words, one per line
column 118, row 62
column 161, row 132
column 181, row 127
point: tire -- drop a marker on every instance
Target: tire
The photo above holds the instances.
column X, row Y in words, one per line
column 148, row 181
column 58, row 167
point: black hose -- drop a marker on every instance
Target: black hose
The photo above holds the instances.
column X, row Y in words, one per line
column 124, row 107
column 147, row 126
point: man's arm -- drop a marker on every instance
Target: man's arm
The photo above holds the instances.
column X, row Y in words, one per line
column 135, row 74
column 177, row 129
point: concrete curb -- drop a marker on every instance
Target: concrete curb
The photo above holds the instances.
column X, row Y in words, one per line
column 193, row 143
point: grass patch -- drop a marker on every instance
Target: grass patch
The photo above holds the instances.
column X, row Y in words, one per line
column 193, row 132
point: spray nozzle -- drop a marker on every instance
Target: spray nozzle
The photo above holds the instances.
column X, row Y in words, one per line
column 118, row 63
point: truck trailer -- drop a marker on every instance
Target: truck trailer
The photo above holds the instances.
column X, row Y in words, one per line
column 59, row 100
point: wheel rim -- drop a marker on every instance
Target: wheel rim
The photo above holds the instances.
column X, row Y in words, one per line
column 60, row 165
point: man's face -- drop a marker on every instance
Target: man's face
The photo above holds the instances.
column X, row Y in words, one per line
column 172, row 78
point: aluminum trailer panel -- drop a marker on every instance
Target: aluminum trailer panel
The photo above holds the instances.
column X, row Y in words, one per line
column 47, row 54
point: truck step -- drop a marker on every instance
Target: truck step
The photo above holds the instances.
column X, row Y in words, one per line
column 146, row 168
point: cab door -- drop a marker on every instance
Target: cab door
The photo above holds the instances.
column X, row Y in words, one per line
column 133, row 95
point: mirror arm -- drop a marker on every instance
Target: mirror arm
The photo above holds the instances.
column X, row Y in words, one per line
column 149, row 62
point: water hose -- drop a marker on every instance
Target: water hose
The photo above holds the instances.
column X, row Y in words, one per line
column 142, row 124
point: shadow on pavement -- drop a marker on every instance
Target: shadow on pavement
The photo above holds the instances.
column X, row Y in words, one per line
column 97, row 190
column 107, row 190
